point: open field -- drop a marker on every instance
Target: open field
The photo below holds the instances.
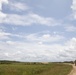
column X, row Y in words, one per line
column 35, row 69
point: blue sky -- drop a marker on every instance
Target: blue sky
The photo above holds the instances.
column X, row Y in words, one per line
column 38, row 30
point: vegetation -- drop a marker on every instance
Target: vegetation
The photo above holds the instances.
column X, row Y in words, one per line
column 17, row 68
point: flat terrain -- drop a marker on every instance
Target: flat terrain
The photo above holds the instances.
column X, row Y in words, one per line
column 35, row 69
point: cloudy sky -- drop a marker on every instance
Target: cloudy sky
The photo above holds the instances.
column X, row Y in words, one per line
column 38, row 30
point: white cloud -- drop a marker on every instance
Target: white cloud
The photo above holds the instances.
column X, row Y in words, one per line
column 71, row 48
column 29, row 19
column 36, row 37
column 25, row 51
column 17, row 6
column 6, row 54
column 34, row 47
column 24, row 20
column 4, row 35
column 35, row 51
column 73, row 7
column 10, row 42
column 40, row 43
column 44, row 38
column 1, row 2
column 70, row 28
column 2, row 15
column 2, row 28
column 39, row 38
column 7, row 36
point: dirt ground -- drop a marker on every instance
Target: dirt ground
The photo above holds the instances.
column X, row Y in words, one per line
column 73, row 72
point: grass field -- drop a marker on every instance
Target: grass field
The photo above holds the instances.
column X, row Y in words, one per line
column 35, row 69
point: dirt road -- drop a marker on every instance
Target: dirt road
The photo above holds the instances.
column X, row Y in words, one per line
column 73, row 72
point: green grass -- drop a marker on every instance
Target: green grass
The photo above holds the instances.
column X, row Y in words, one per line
column 35, row 69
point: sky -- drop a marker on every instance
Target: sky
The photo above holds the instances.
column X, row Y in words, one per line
column 38, row 30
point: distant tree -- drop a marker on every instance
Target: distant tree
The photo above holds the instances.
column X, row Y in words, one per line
column 75, row 62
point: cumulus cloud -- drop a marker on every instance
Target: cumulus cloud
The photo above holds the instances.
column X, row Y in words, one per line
column 26, row 19
column 70, row 48
column 35, row 37
column 34, row 47
column 37, row 50
column 29, row 19
column 73, row 7
column 44, row 38
column 25, row 51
